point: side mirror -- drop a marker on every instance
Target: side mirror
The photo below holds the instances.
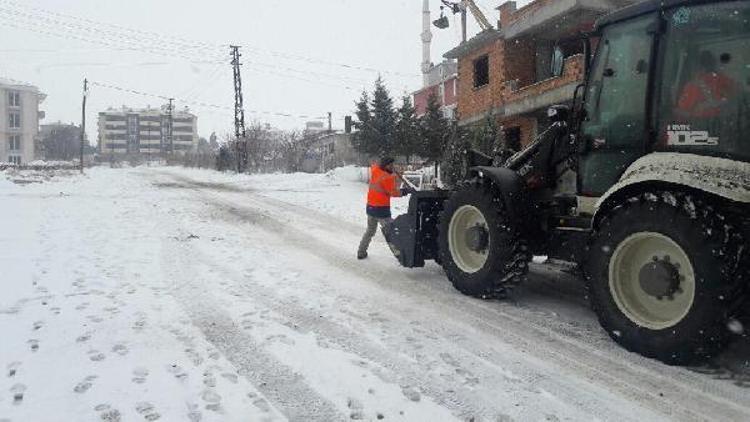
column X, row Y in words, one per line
column 558, row 113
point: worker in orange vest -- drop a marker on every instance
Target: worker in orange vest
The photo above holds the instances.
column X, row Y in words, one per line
column 708, row 92
column 383, row 187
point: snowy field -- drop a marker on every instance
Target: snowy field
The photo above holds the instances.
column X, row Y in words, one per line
column 188, row 295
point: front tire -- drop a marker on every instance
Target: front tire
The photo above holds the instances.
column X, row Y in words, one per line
column 663, row 277
column 481, row 250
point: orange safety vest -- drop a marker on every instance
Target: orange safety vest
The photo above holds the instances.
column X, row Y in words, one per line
column 704, row 97
column 382, row 187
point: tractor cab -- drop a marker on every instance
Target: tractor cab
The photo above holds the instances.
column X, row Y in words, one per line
column 644, row 184
column 673, row 79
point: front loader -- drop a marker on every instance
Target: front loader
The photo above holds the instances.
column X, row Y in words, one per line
column 644, row 182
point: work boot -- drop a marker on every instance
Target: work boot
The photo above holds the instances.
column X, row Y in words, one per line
column 361, row 255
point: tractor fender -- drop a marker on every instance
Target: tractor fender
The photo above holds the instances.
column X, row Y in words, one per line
column 722, row 177
column 510, row 186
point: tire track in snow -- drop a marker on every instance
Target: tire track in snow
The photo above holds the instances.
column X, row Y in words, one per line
column 288, row 391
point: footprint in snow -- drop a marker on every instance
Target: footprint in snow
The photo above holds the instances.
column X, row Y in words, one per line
column 356, row 409
column 139, row 375
column 194, row 356
column 411, row 393
column 85, row 385
column 83, row 338
column 95, row 318
column 262, row 404
column 147, row 410
column 120, row 349
column 108, row 414
column 177, row 371
column 33, row 344
column 194, row 414
column 13, row 368
column 55, row 310
column 18, row 391
column 112, row 309
column 212, row 399
column 209, row 380
column 96, row 355
column 37, row 325
column 230, row 377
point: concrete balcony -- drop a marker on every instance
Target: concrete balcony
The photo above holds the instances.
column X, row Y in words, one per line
column 542, row 94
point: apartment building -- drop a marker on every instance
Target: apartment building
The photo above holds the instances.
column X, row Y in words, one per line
column 144, row 133
column 533, row 60
column 19, row 121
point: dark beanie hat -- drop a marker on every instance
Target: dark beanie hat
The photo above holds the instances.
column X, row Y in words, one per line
column 386, row 161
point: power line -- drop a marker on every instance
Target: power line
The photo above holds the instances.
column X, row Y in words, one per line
column 73, row 36
column 41, row 24
column 196, row 46
column 199, row 103
column 87, row 23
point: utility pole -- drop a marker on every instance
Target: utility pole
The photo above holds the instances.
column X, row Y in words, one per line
column 463, row 21
column 170, row 126
column 330, row 122
column 239, row 111
column 83, row 119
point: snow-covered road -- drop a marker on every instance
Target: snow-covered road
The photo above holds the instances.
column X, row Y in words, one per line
column 172, row 294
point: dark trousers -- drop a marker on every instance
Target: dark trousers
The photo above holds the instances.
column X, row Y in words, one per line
column 372, row 228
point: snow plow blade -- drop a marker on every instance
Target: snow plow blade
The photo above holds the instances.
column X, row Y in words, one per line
column 413, row 236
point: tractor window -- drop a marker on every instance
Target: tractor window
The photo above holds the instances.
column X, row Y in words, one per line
column 704, row 106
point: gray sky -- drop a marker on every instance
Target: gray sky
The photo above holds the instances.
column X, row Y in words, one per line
column 296, row 53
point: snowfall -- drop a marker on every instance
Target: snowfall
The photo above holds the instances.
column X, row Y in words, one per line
column 162, row 293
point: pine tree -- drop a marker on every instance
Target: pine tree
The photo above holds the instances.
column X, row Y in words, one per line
column 383, row 120
column 435, row 131
column 484, row 137
column 407, row 130
column 453, row 166
column 363, row 136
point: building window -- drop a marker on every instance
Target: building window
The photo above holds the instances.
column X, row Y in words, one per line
column 14, row 143
column 14, row 121
column 14, row 99
column 513, row 138
column 14, row 159
column 481, row 71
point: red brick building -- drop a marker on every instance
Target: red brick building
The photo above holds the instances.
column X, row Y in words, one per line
column 443, row 83
column 532, row 61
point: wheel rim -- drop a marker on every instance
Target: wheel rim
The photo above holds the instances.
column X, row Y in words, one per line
column 468, row 239
column 652, row 280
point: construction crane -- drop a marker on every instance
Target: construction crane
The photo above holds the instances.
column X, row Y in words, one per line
column 461, row 7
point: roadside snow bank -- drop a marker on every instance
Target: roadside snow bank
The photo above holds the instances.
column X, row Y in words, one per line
column 349, row 174
column 341, row 192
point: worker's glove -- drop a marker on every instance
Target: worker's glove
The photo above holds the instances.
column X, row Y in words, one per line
column 407, row 191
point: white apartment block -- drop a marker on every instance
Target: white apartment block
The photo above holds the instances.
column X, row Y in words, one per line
column 144, row 132
column 19, row 121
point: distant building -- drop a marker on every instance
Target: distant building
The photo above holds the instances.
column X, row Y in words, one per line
column 144, row 132
column 19, row 121
column 60, row 141
column 315, row 127
column 328, row 151
column 441, row 81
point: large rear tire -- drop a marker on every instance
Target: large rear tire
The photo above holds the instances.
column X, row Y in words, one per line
column 481, row 251
column 664, row 277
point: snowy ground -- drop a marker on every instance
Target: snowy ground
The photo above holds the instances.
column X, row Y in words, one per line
column 173, row 294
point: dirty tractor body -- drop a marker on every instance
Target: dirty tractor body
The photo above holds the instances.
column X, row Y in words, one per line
column 643, row 182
